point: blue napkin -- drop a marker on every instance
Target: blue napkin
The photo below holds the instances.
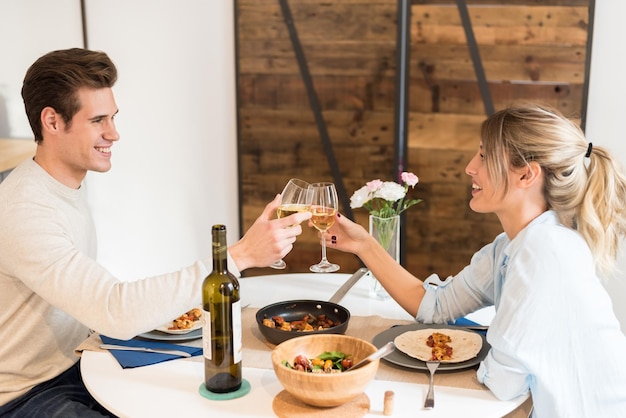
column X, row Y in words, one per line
column 129, row 359
column 464, row 322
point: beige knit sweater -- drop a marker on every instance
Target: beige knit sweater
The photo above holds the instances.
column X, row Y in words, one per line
column 52, row 289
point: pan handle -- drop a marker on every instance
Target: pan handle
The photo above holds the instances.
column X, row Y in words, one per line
column 339, row 294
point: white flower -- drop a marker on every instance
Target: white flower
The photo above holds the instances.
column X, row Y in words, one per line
column 390, row 191
column 360, row 197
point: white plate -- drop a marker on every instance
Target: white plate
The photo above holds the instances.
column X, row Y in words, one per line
column 400, row 359
column 155, row 335
column 164, row 334
column 164, row 328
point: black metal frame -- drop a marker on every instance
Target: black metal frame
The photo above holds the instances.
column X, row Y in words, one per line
column 317, row 110
column 585, row 100
column 83, row 18
column 401, row 109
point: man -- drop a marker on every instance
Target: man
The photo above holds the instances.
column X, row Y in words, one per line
column 52, row 289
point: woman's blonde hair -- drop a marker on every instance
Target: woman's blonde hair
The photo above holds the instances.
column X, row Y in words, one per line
column 583, row 183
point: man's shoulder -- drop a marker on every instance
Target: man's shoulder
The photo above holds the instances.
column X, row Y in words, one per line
column 23, row 186
column 23, row 176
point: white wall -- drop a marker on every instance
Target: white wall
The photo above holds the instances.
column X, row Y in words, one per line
column 174, row 170
column 29, row 29
column 605, row 115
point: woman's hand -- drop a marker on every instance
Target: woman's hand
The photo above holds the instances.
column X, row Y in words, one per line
column 346, row 235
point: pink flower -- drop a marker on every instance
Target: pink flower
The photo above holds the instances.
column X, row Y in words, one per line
column 409, row 178
column 374, row 185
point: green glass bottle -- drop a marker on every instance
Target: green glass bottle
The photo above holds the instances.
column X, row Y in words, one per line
column 221, row 333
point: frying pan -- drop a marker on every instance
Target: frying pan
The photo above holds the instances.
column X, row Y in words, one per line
column 294, row 310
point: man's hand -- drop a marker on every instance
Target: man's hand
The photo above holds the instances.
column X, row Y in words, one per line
column 268, row 239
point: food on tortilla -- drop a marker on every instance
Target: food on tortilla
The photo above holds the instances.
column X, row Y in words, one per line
column 465, row 344
column 439, row 345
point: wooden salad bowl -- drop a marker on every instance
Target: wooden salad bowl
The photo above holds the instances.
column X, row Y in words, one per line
column 321, row 389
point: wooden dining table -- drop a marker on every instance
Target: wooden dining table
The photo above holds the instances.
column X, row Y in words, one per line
column 14, row 151
column 171, row 388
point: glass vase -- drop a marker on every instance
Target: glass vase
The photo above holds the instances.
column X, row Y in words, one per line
column 387, row 232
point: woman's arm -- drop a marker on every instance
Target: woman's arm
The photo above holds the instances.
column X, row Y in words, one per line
column 405, row 288
column 469, row 290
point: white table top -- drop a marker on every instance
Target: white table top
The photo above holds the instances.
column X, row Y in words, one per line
column 171, row 388
column 260, row 291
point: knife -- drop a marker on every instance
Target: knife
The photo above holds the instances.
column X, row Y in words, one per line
column 475, row 327
column 146, row 350
column 341, row 292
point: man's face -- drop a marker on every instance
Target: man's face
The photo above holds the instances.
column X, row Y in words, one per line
column 86, row 143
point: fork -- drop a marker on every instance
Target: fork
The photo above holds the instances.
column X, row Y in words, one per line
column 429, row 403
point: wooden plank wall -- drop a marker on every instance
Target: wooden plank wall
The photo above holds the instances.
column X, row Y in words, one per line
column 531, row 50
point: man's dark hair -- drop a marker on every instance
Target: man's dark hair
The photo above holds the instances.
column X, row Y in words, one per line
column 55, row 78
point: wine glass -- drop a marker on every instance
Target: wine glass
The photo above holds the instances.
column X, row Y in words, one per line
column 323, row 208
column 295, row 197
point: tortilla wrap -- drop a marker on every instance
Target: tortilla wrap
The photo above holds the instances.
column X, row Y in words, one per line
column 465, row 344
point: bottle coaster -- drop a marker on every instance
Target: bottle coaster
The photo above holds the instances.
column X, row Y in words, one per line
column 242, row 391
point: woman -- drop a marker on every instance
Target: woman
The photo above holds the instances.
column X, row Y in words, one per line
column 561, row 203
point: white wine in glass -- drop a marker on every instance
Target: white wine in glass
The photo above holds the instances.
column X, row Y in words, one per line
column 296, row 197
column 324, row 208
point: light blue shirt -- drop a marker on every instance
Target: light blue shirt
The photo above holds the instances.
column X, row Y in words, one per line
column 554, row 331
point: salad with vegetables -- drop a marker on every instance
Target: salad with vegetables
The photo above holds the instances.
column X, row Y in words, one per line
column 327, row 362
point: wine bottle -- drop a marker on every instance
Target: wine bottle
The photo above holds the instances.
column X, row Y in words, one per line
column 221, row 332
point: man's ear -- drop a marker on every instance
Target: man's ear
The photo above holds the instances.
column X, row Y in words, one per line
column 50, row 120
column 529, row 174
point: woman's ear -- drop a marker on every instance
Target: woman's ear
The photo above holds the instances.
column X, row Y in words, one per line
column 529, row 174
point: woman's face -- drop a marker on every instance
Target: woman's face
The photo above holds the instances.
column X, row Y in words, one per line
column 485, row 199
